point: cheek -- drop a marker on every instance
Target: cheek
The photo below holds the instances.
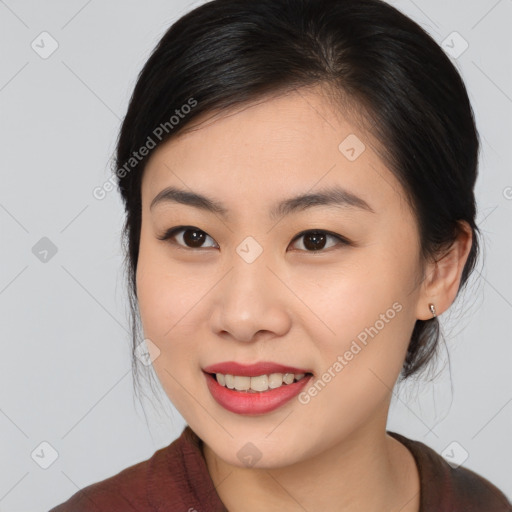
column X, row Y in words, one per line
column 173, row 303
column 165, row 295
column 367, row 315
column 361, row 361
column 168, row 309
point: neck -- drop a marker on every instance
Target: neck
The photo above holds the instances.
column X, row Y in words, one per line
column 370, row 471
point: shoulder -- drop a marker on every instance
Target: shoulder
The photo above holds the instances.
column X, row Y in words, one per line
column 175, row 475
column 129, row 486
column 473, row 487
column 452, row 489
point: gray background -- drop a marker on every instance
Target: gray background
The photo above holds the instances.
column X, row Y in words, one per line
column 65, row 374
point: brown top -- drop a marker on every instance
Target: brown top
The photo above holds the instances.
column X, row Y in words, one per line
column 176, row 479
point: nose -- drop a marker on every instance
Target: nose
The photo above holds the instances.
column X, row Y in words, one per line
column 251, row 302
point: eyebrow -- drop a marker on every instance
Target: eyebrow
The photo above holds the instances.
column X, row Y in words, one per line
column 333, row 196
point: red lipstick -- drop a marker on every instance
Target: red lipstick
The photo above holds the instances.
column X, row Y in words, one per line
column 251, row 402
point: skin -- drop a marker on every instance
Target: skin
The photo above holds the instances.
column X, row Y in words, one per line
column 292, row 305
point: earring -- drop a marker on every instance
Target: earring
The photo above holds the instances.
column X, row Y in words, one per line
column 433, row 310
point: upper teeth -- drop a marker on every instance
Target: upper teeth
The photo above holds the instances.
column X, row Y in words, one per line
column 259, row 383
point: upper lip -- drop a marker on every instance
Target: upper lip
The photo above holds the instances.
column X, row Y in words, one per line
column 251, row 370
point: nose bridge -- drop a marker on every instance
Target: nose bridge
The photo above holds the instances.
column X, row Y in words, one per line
column 249, row 300
column 250, row 275
column 250, row 250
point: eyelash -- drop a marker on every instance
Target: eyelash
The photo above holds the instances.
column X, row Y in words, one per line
column 170, row 233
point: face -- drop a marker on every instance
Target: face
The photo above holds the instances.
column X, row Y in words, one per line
column 326, row 287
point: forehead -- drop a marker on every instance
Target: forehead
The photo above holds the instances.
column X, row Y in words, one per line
column 274, row 148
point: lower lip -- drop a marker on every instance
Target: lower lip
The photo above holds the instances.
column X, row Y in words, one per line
column 242, row 402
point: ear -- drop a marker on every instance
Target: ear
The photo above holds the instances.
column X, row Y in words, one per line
column 442, row 277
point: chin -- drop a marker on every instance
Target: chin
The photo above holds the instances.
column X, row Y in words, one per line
column 258, row 450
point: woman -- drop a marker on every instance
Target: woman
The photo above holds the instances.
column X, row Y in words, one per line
column 298, row 177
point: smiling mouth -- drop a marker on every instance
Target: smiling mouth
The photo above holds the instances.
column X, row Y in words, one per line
column 258, row 384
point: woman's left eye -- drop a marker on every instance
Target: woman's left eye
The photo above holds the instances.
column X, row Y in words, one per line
column 315, row 240
column 193, row 238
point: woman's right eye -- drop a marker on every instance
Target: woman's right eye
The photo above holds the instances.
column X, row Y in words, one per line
column 191, row 237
